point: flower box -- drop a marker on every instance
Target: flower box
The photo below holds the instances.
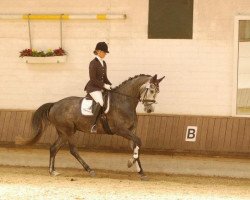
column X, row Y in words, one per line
column 44, row 60
column 43, row 57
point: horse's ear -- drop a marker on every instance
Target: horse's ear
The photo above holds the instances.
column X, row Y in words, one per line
column 153, row 79
column 159, row 80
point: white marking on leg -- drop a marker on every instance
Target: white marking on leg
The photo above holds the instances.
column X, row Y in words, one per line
column 137, row 166
column 136, row 149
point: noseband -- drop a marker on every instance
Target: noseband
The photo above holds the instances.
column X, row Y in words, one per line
column 144, row 100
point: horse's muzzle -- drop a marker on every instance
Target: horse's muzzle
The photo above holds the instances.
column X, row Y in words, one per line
column 149, row 111
column 149, row 108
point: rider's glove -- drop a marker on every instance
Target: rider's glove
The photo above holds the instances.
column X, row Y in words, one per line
column 107, row 86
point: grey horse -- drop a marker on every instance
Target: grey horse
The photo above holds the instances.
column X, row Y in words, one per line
column 66, row 116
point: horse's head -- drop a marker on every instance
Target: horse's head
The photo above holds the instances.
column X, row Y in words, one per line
column 148, row 93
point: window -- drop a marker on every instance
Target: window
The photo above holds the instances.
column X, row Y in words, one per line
column 170, row 19
column 244, row 30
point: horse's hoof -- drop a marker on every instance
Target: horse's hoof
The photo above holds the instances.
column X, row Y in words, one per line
column 54, row 173
column 144, row 178
column 92, row 173
column 130, row 162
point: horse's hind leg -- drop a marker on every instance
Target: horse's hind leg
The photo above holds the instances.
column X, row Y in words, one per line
column 74, row 152
column 53, row 151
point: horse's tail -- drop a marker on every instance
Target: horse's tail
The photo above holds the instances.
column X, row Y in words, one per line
column 39, row 123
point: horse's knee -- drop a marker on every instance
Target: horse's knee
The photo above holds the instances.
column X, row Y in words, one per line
column 72, row 150
column 132, row 145
column 52, row 150
column 138, row 142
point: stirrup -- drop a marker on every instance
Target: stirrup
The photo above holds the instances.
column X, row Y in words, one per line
column 93, row 129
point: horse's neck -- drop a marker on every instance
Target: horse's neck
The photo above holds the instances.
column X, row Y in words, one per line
column 132, row 87
column 129, row 92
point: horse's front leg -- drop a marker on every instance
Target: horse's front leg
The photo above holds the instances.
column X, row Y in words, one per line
column 136, row 144
column 136, row 160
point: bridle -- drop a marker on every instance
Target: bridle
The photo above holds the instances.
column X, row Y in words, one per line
column 140, row 99
column 148, row 101
column 143, row 99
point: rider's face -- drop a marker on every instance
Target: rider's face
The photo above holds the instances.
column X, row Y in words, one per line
column 101, row 54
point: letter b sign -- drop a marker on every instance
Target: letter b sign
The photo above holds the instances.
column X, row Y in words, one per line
column 191, row 133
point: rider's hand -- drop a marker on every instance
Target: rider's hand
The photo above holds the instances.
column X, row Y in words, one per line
column 107, row 86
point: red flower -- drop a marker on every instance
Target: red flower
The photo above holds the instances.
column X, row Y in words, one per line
column 25, row 52
column 59, row 52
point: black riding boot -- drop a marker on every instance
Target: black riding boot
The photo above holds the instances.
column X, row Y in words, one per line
column 96, row 114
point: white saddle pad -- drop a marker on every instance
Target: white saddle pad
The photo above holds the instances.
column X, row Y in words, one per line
column 86, row 107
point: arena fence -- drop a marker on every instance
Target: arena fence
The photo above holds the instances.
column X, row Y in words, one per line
column 159, row 133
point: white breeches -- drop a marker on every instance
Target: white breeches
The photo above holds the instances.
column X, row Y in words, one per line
column 97, row 96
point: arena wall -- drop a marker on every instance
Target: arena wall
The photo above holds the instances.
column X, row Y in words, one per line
column 198, row 89
column 224, row 136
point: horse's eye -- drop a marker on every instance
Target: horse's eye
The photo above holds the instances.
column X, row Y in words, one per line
column 152, row 91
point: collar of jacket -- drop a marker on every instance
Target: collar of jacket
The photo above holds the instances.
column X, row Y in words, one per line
column 96, row 59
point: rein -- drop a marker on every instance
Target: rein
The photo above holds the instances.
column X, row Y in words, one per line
column 125, row 95
column 143, row 100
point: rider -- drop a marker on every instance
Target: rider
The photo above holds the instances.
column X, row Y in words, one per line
column 98, row 80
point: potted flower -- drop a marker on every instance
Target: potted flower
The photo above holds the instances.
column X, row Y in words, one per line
column 51, row 56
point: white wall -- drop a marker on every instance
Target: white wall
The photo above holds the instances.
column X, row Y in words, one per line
column 199, row 72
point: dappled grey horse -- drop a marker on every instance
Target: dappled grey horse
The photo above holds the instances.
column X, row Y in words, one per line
column 66, row 116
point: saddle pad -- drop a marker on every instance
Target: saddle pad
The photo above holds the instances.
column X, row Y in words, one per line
column 86, row 107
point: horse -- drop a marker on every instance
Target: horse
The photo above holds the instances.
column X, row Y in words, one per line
column 66, row 117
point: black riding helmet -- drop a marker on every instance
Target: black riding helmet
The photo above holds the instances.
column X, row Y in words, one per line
column 101, row 46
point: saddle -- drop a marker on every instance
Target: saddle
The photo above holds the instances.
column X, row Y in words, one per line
column 88, row 107
column 88, row 104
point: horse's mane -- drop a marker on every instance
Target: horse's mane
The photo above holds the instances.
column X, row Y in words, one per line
column 130, row 79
